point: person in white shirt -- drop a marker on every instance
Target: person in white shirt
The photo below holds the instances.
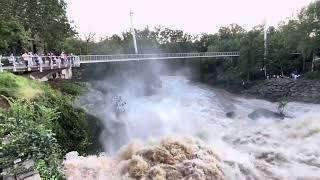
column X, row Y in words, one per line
column 25, row 58
column 30, row 56
column 12, row 59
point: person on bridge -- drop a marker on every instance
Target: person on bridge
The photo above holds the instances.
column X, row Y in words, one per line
column 30, row 56
column 58, row 61
column 38, row 59
column 72, row 57
column 12, row 59
column 51, row 59
column 64, row 58
column 25, row 58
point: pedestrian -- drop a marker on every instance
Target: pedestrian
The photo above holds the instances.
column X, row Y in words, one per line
column 58, row 61
column 64, row 58
column 36, row 59
column 72, row 59
column 53, row 58
column 25, row 58
column 30, row 57
column 12, row 59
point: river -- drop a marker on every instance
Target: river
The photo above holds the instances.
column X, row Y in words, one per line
column 265, row 148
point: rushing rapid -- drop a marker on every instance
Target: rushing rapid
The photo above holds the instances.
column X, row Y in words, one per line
column 195, row 116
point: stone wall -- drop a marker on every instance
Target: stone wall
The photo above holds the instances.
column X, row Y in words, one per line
column 288, row 89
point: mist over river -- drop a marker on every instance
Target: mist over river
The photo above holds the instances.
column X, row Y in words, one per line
column 195, row 116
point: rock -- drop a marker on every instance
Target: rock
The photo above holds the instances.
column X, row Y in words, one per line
column 230, row 114
column 265, row 113
column 27, row 172
column 295, row 90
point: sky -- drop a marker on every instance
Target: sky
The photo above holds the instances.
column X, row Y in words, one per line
column 107, row 17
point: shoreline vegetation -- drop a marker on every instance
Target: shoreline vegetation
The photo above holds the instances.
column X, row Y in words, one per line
column 41, row 123
column 291, row 47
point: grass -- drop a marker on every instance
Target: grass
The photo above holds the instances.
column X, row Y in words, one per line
column 19, row 87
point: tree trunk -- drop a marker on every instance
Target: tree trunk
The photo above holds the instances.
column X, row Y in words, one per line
column 303, row 63
column 312, row 63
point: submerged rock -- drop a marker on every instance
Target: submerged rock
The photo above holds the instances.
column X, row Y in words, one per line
column 230, row 114
column 265, row 113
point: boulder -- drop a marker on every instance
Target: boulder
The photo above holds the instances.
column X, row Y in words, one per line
column 230, row 114
column 265, row 113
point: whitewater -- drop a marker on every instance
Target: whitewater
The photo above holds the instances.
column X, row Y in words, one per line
column 182, row 132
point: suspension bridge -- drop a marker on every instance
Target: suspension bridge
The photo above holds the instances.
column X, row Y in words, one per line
column 53, row 64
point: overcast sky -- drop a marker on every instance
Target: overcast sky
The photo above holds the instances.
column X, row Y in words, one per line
column 107, row 17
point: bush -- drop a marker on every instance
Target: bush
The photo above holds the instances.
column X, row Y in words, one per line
column 312, row 75
column 41, row 124
column 70, row 87
column 26, row 133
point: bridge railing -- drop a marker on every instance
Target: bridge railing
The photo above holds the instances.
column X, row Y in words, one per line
column 16, row 63
column 126, row 57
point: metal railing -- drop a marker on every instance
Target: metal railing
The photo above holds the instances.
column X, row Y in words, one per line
column 29, row 63
column 136, row 57
column 18, row 63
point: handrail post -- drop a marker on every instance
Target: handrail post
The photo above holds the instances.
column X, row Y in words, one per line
column 40, row 67
column 14, row 66
column 1, row 68
column 59, row 62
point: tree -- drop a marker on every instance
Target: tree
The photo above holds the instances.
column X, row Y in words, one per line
column 278, row 53
column 44, row 21
column 251, row 52
column 12, row 36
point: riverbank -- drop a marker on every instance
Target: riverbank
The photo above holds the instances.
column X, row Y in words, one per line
column 275, row 90
column 300, row 90
column 39, row 124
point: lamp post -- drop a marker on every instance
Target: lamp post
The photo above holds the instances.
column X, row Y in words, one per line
column 133, row 34
column 265, row 38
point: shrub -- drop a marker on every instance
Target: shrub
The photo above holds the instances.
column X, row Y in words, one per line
column 312, row 75
column 26, row 133
column 41, row 124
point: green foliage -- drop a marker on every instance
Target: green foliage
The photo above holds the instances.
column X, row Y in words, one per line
column 70, row 87
column 251, row 59
column 12, row 36
column 71, row 127
column 301, row 34
column 19, row 87
column 44, row 21
column 26, row 132
column 43, row 127
column 312, row 75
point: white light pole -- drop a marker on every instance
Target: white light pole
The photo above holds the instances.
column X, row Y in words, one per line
column 133, row 34
column 265, row 38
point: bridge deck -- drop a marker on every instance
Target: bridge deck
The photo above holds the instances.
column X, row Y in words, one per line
column 83, row 59
column 143, row 57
